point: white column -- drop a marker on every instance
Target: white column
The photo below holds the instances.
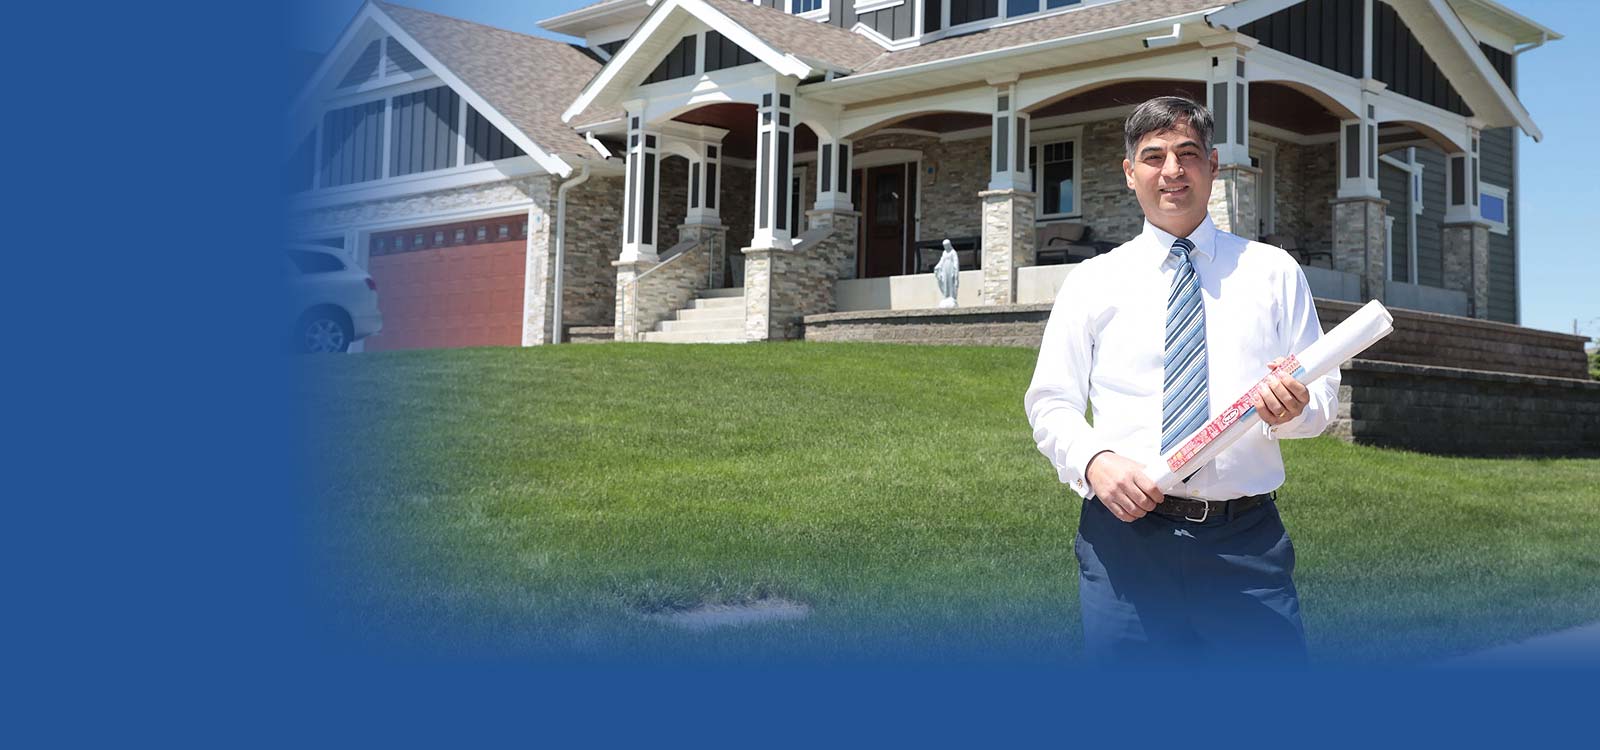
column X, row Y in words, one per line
column 833, row 175
column 639, row 212
column 1358, row 154
column 1228, row 98
column 774, row 227
column 1008, row 141
column 1461, row 184
column 704, row 180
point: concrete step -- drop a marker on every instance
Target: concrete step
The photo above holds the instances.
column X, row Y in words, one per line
column 732, row 291
column 693, row 337
column 712, row 313
column 729, row 325
column 703, row 303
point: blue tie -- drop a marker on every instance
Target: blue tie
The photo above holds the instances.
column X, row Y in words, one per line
column 1184, row 405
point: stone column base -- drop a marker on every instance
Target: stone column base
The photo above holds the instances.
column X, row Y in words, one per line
column 1008, row 242
column 1466, row 264
column 1358, row 237
column 714, row 238
column 1233, row 201
column 627, row 320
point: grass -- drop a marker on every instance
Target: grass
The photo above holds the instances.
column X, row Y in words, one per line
column 538, row 502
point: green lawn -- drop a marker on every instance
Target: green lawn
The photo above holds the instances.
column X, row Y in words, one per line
column 538, row 501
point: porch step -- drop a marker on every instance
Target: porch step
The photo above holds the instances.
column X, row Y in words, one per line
column 726, row 312
column 718, row 303
column 714, row 317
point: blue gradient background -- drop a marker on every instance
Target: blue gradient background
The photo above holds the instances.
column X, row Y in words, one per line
column 158, row 589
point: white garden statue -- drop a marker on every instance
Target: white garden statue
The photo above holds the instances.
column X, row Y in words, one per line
column 948, row 274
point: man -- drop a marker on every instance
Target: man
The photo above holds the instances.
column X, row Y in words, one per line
column 1160, row 335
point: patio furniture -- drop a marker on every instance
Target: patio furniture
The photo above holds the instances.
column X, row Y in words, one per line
column 1065, row 242
column 967, row 251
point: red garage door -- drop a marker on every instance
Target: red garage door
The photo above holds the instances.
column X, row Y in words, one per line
column 450, row 285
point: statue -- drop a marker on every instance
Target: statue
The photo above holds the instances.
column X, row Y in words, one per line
column 948, row 274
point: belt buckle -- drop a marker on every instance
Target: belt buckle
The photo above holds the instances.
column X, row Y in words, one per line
column 1203, row 516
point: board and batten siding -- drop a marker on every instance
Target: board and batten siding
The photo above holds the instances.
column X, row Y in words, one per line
column 424, row 131
column 352, row 144
column 1430, row 224
column 1496, row 168
column 1399, row 60
column 1324, row 32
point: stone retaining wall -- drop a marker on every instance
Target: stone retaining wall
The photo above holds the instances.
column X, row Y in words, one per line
column 986, row 325
column 1449, row 341
column 648, row 293
column 1467, row 412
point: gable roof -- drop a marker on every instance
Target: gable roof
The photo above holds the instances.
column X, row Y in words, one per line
column 790, row 45
column 502, row 74
column 524, row 78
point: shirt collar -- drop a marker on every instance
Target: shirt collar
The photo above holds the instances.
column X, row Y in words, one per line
column 1204, row 238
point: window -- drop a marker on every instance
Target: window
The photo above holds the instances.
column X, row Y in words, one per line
column 308, row 261
column 417, row 240
column 461, row 236
column 1495, row 206
column 505, row 231
column 483, row 233
column 1054, row 170
column 806, row 6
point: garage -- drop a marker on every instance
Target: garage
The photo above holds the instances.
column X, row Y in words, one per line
column 450, row 285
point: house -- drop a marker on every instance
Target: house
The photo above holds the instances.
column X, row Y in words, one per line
column 719, row 170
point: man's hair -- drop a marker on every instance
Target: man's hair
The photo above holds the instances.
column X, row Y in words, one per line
column 1166, row 113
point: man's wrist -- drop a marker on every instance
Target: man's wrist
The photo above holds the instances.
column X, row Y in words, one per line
column 1090, row 463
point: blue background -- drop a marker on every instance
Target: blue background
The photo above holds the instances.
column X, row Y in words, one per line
column 157, row 588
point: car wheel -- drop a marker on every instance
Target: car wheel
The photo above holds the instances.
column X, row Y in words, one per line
column 323, row 331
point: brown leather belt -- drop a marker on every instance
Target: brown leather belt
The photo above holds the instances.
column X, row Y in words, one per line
column 1198, row 511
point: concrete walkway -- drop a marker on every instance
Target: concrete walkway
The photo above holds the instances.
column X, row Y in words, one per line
column 1578, row 648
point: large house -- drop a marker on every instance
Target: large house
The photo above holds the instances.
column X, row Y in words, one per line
column 719, row 170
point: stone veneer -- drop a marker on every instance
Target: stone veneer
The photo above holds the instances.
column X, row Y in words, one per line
column 1358, row 239
column 1304, row 183
column 1109, row 208
column 423, row 205
column 648, row 292
column 782, row 286
column 1237, row 185
column 588, row 281
column 1008, row 242
column 952, row 175
column 736, row 187
column 1466, row 263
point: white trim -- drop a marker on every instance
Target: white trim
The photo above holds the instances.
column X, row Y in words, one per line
column 411, row 221
column 1504, row 194
column 1242, row 13
column 419, row 182
column 1289, row 136
column 364, row 94
column 883, row 157
column 1038, row 139
column 819, row 14
column 868, row 6
column 1266, row 186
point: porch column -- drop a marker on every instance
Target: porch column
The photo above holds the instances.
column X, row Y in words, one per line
column 767, row 257
column 1008, row 204
column 640, row 195
column 1359, row 210
column 833, row 206
column 1233, row 196
column 1466, row 234
column 703, row 220
column 642, row 192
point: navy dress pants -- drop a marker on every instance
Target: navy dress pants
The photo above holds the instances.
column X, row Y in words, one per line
column 1164, row 591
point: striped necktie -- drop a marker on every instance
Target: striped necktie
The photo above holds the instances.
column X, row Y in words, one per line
column 1184, row 404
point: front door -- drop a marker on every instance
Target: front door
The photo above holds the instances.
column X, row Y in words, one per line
column 886, row 197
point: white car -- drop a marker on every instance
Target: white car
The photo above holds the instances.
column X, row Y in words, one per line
column 333, row 303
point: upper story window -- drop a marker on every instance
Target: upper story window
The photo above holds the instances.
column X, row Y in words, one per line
column 1494, row 204
column 972, row 11
column 798, row 7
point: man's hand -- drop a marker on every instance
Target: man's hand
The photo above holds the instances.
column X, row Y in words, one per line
column 1281, row 398
column 1122, row 486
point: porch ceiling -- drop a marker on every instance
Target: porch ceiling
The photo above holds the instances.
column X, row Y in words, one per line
column 1285, row 107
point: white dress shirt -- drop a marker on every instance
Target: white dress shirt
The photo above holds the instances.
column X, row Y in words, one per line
column 1104, row 345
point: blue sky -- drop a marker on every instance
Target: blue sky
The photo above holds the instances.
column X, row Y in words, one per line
column 1560, row 85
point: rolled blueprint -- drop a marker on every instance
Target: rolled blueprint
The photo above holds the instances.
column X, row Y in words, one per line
column 1359, row 331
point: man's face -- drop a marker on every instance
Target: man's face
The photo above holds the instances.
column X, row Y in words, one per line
column 1171, row 173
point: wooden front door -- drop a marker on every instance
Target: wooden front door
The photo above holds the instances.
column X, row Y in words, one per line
column 886, row 195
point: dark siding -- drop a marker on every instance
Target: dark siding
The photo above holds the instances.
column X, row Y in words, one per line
column 898, row 22
column 352, row 144
column 485, row 142
column 1394, row 184
column 1325, row 32
column 400, row 59
column 965, row 11
column 677, row 64
column 610, row 48
column 1497, row 168
column 365, row 67
column 723, row 53
column 932, row 15
column 1503, row 63
column 1430, row 225
column 423, row 136
column 1400, row 61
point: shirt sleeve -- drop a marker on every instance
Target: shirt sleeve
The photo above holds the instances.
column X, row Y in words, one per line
column 1059, row 394
column 1299, row 329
